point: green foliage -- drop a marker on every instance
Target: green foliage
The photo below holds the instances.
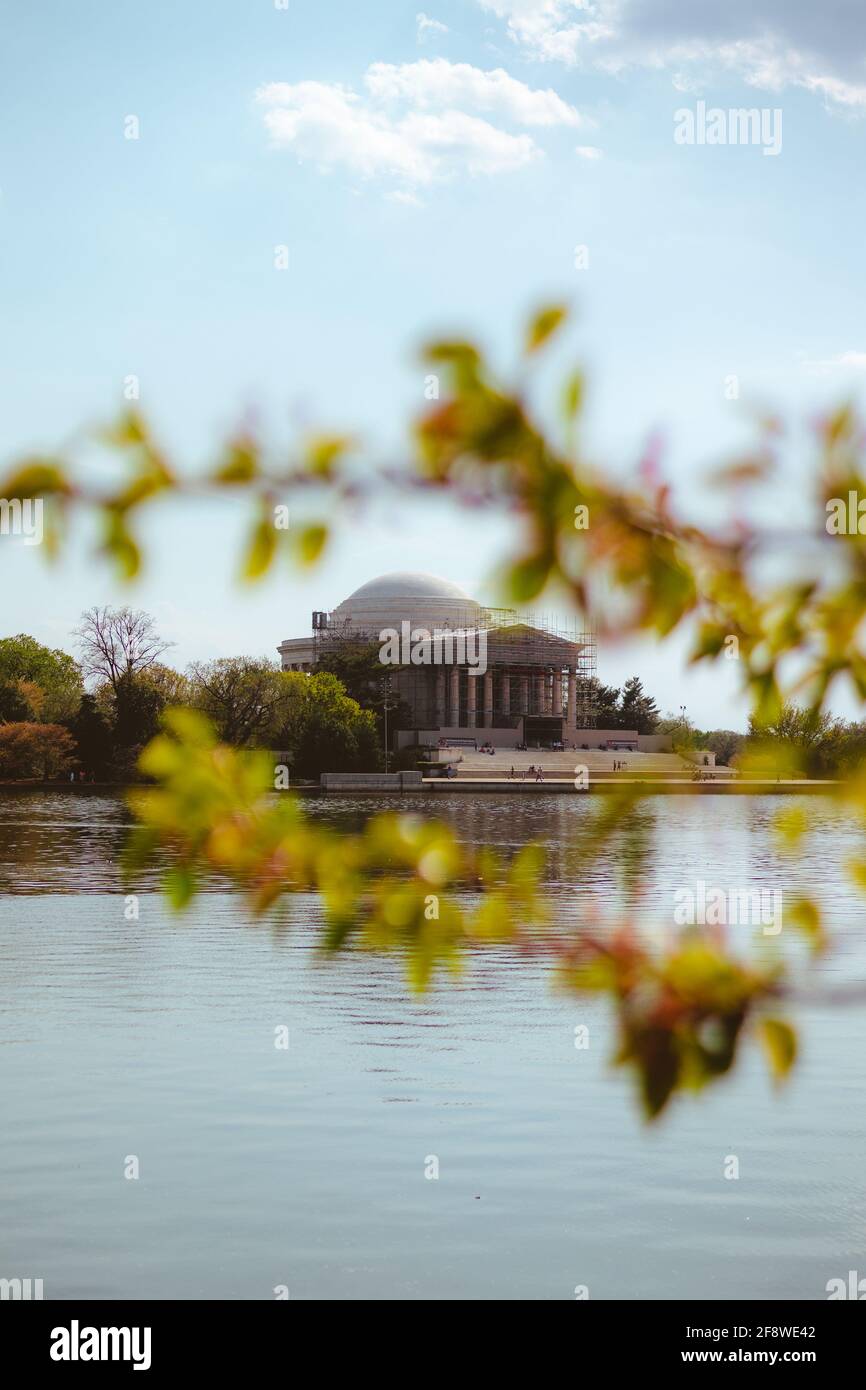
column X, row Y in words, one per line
column 241, row 695
column 725, row 743
column 355, row 662
column 804, row 742
column 628, row 708
column 55, row 673
column 323, row 728
column 393, row 888
column 680, row 1013
column 94, row 744
column 138, row 704
column 637, row 710
column 356, row 665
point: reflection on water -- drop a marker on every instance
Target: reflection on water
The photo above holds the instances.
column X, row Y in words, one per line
column 306, row 1167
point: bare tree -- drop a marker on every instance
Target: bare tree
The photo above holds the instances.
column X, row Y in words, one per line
column 116, row 643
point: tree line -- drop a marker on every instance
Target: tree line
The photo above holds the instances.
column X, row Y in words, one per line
column 90, row 717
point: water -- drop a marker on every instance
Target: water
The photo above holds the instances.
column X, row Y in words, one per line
column 305, row 1168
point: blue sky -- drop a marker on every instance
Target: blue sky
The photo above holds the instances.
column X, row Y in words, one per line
column 425, row 175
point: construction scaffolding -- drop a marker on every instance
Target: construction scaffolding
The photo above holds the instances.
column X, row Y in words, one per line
column 534, row 664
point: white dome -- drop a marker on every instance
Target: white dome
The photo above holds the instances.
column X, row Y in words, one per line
column 423, row 600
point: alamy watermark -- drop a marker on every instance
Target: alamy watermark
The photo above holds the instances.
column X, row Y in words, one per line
column 418, row 646
column 846, row 516
column 719, row 907
column 22, row 1290
column 23, row 517
column 77, row 1343
column 737, row 126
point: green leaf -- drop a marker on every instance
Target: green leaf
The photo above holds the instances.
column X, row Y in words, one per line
column 120, row 544
column 37, row 477
column 130, row 429
column 241, row 463
column 323, row 451
column 544, row 325
column 527, row 578
column 260, row 549
column 780, row 1045
column 310, row 542
column 572, row 395
column 180, row 886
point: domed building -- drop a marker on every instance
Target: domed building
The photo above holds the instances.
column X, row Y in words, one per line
column 466, row 672
column 421, row 599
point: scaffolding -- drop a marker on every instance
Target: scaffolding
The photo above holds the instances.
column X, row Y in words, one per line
column 529, row 639
column 538, row 646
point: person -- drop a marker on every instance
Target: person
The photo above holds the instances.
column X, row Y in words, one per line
column 539, row 777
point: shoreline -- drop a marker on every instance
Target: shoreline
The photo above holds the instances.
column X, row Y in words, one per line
column 439, row 786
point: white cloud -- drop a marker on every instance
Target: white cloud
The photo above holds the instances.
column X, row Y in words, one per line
column 426, row 26
column 417, row 122
column 588, row 151
column 770, row 44
column 434, row 83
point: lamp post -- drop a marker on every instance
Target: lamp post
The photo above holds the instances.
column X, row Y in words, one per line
column 387, row 701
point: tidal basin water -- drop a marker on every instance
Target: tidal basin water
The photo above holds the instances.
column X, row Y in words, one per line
column 306, row 1168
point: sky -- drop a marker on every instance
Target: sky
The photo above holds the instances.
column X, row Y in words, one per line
column 427, row 171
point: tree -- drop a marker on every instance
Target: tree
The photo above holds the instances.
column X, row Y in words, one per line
column 637, row 710
column 323, row 728
column 356, row 664
column 43, row 751
column 812, row 740
column 14, row 705
column 118, row 643
column 240, row 694
column 48, row 679
column 94, row 742
column 604, row 700
column 138, row 705
column 725, row 743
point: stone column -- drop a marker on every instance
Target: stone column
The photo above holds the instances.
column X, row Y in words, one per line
column 506, row 695
column 524, row 694
column 471, row 686
column 557, row 691
column 488, row 699
column 454, row 711
column 541, row 694
column 440, row 695
column 571, row 714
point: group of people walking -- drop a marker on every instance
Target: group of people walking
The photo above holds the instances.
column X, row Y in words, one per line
column 523, row 772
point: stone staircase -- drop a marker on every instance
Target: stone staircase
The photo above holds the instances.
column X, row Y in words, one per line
column 561, row 766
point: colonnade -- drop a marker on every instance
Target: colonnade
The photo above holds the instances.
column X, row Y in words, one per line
column 502, row 694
